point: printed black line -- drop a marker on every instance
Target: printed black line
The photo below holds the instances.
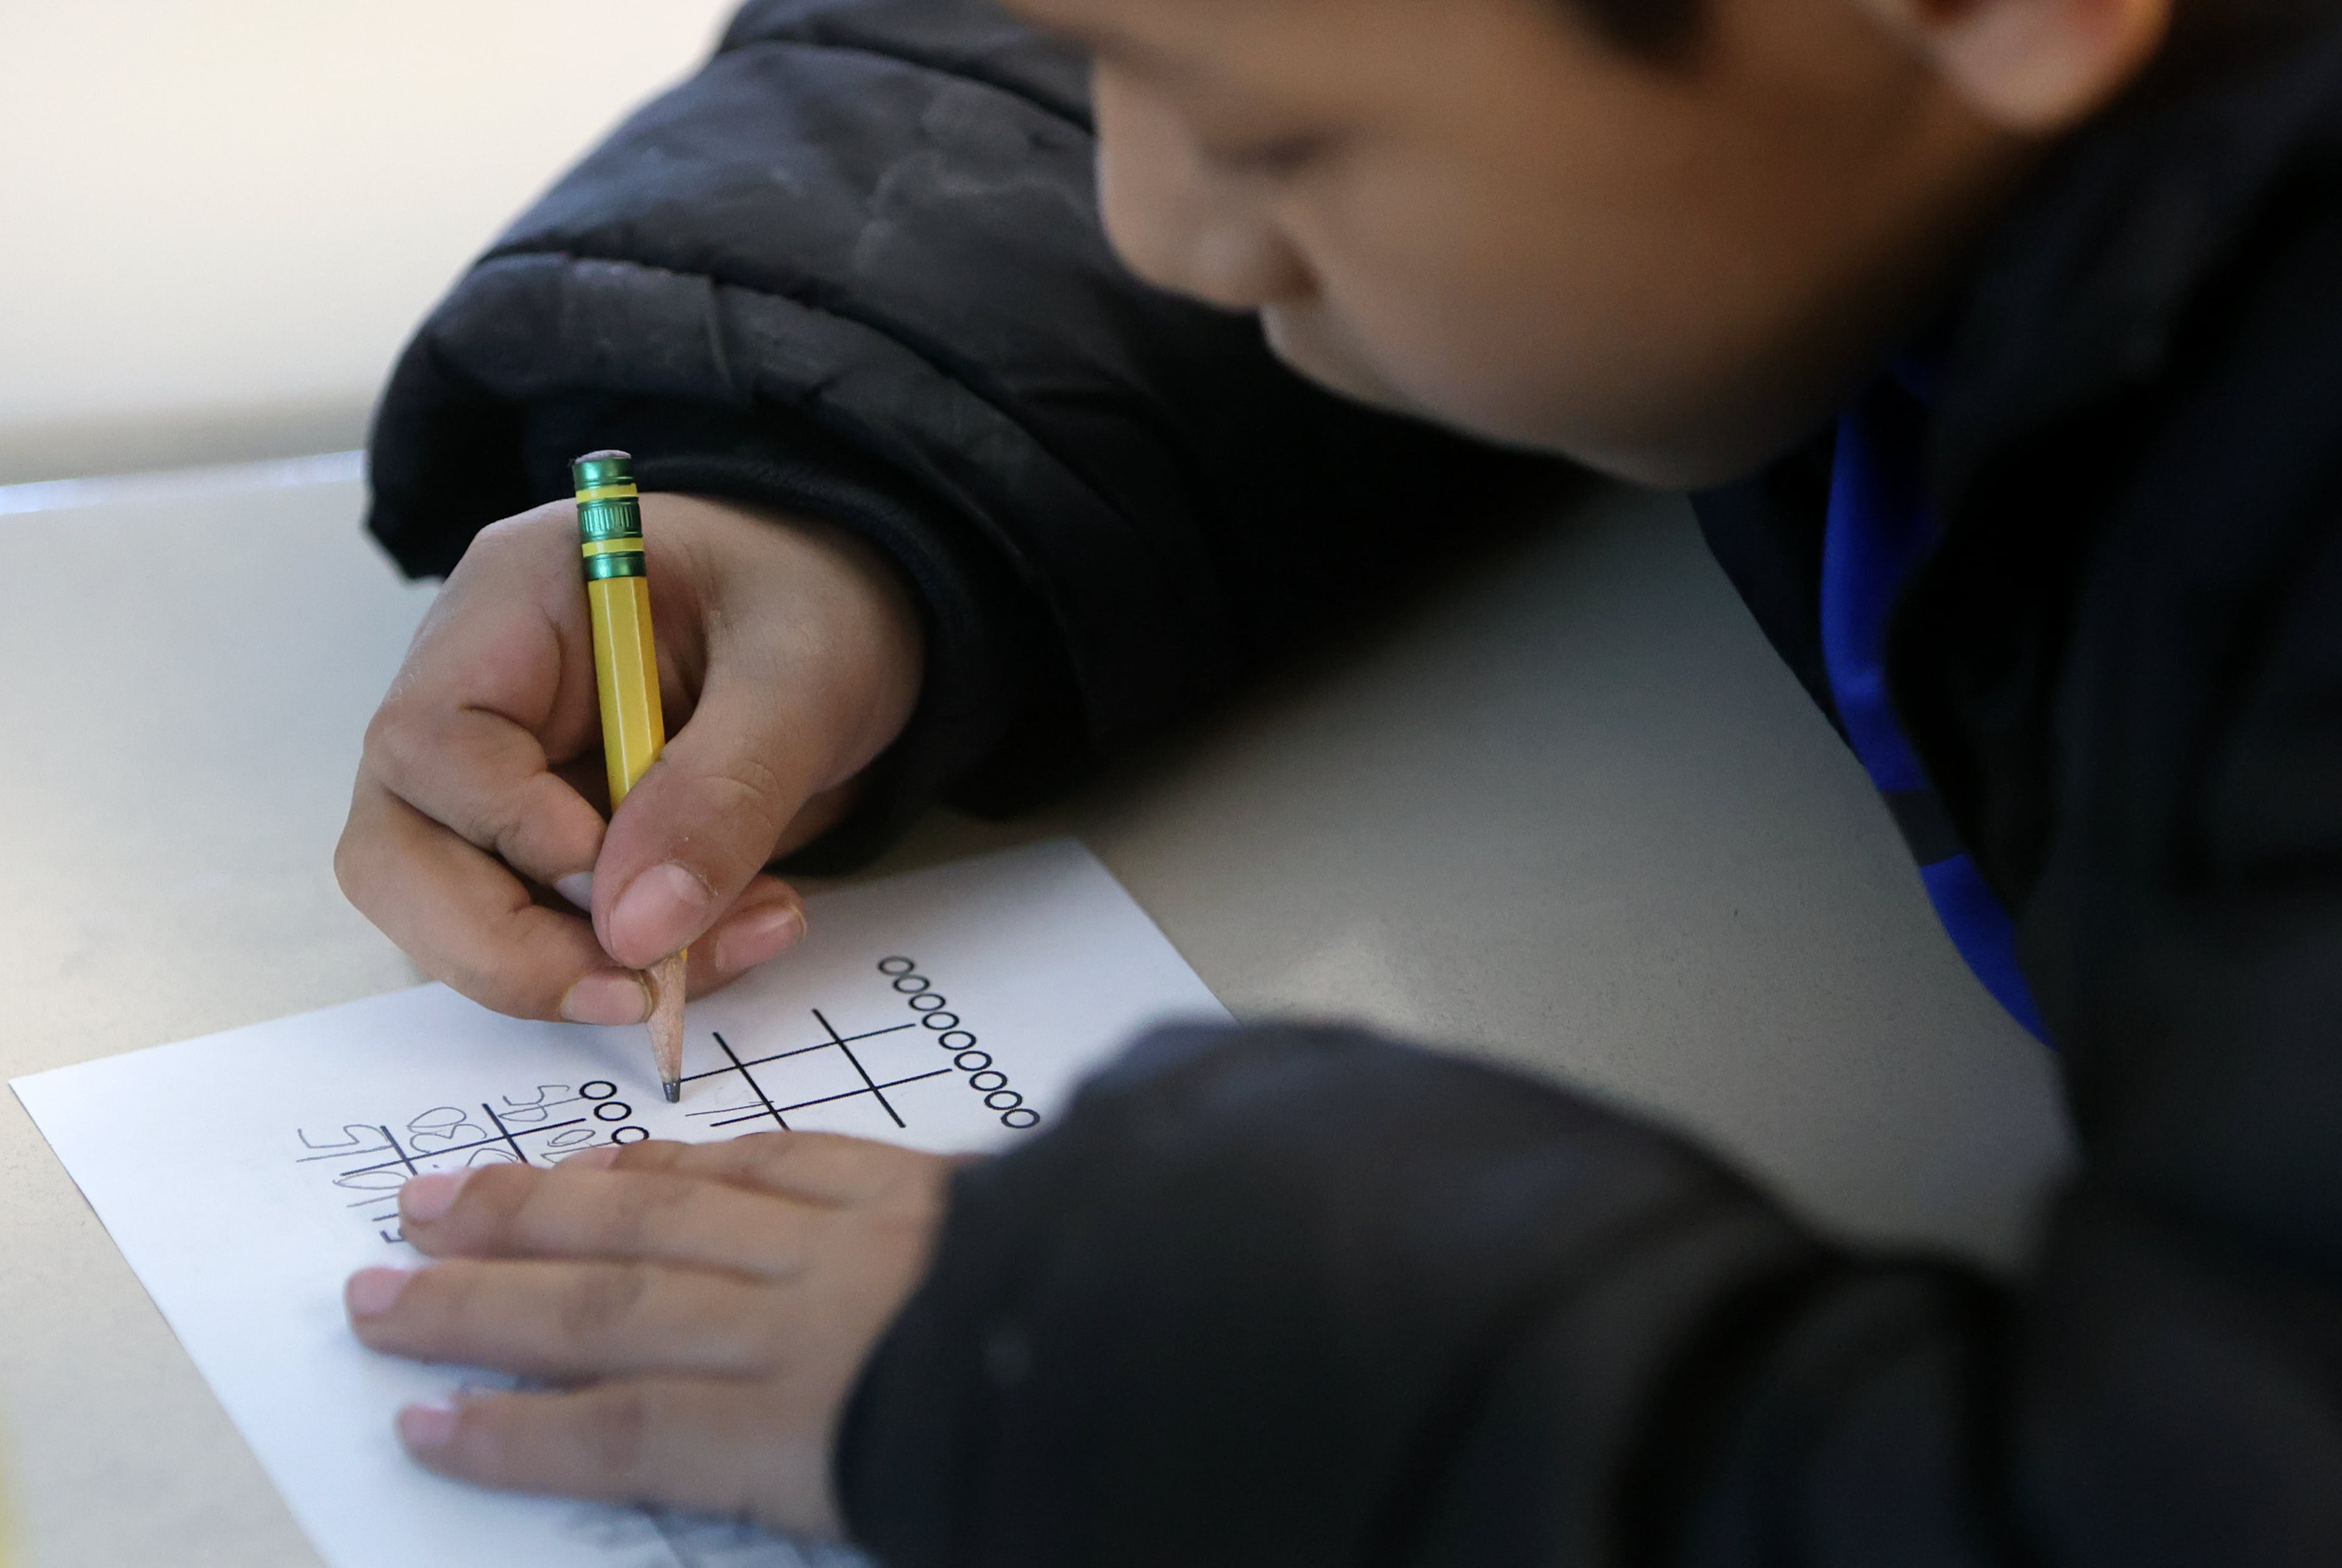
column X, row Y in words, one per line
column 751, row 1079
column 740, row 1066
column 839, row 1040
column 847, row 1094
column 800, row 1105
column 518, row 1152
column 390, row 1138
column 873, row 1033
column 800, row 1050
column 456, row 1149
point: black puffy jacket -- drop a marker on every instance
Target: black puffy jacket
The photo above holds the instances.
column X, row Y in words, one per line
column 1291, row 1297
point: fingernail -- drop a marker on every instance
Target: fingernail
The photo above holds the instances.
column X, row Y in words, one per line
column 426, row 1198
column 577, row 887
column 751, row 938
column 600, row 1159
column 427, row 1425
column 372, row 1290
column 611, row 997
column 661, row 910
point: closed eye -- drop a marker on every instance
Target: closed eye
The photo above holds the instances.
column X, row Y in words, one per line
column 1271, row 156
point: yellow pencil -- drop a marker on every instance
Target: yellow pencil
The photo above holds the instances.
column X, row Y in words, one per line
column 626, row 673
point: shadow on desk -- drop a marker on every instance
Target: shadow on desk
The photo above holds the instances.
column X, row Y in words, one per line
column 1569, row 813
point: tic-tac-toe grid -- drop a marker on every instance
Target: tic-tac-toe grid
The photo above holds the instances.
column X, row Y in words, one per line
column 829, row 1080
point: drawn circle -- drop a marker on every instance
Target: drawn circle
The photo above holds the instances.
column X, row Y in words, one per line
column 941, row 1020
column 1003, row 1100
column 889, row 966
column 965, row 1037
column 964, row 1065
column 641, row 1135
column 976, row 1082
column 931, row 999
column 903, row 983
column 603, row 1085
column 1021, row 1118
column 613, row 1110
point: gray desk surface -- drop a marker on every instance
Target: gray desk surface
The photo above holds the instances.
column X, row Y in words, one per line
column 1567, row 813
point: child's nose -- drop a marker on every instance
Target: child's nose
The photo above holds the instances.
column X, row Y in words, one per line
column 1237, row 261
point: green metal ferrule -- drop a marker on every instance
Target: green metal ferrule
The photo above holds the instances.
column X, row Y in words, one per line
column 597, row 469
column 620, row 518
column 607, row 507
column 618, row 564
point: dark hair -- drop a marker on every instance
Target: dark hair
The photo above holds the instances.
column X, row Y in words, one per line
column 1663, row 28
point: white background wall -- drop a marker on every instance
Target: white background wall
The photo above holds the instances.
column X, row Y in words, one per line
column 220, row 218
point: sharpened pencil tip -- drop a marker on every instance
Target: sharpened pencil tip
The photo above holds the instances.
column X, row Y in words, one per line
column 666, row 981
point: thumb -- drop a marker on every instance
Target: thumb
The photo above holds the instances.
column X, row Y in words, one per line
column 703, row 823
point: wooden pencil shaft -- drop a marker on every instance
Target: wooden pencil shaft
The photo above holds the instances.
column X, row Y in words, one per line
column 666, row 1023
column 627, row 683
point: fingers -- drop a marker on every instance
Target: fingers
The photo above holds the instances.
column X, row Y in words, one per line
column 469, row 921
column 673, row 1442
column 767, row 920
column 825, row 1167
column 486, row 779
column 703, row 823
column 812, row 655
column 796, row 657
column 499, row 677
column 455, row 793
column 577, row 1212
column 568, row 1321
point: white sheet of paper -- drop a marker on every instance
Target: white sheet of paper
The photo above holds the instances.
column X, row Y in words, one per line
column 245, row 1175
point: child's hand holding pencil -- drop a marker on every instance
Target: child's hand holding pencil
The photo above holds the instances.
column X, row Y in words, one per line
column 789, row 658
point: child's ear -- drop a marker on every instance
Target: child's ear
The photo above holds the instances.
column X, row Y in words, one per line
column 2038, row 66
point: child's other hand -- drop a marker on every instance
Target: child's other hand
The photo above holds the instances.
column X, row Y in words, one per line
column 704, row 1309
column 789, row 658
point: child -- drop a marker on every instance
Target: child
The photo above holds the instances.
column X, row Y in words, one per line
column 2024, row 314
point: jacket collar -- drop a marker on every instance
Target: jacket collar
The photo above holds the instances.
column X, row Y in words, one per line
column 2084, row 288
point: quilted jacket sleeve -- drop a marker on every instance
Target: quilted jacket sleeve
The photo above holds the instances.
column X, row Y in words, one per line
column 854, row 269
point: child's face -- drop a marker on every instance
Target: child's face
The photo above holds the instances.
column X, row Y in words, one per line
column 1479, row 211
